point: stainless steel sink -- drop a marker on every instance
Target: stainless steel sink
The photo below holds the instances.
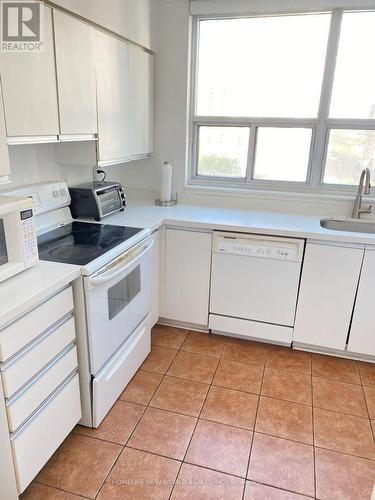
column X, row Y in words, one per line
column 346, row 224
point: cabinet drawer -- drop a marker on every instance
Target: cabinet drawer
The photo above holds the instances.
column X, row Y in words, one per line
column 37, row 357
column 38, row 391
column 24, row 330
column 251, row 329
column 40, row 437
column 117, row 373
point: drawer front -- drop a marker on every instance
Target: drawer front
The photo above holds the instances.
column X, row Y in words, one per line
column 117, row 373
column 28, row 365
column 34, row 444
column 251, row 329
column 34, row 395
column 24, row 330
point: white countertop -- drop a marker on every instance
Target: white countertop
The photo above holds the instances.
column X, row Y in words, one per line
column 143, row 213
column 25, row 290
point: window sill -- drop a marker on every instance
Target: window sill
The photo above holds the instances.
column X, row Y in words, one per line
column 320, row 197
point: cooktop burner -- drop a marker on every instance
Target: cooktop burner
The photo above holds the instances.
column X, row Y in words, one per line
column 81, row 242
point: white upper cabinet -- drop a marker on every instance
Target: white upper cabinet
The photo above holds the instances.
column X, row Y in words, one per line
column 75, row 66
column 328, row 287
column 124, row 94
column 362, row 332
column 140, row 101
column 114, row 123
column 132, row 19
column 4, row 154
column 29, row 88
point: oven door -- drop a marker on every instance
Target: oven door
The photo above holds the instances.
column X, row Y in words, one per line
column 118, row 298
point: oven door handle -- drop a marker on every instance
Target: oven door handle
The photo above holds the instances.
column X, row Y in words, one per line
column 126, row 263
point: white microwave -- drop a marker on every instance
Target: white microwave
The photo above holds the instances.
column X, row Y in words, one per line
column 18, row 240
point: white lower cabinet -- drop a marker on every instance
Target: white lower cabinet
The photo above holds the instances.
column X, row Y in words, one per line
column 40, row 437
column 37, row 357
column 362, row 332
column 187, row 275
column 39, row 384
column 33, row 395
column 328, row 288
column 155, row 278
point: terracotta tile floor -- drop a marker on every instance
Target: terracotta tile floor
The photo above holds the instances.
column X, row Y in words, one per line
column 214, row 418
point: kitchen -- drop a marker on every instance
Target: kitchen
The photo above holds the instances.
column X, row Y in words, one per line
column 140, row 164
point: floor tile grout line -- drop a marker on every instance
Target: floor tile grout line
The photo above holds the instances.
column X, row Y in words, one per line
column 195, row 426
column 182, row 461
column 119, row 455
column 199, row 416
column 255, row 422
column 284, row 370
column 59, row 489
column 313, row 433
column 303, row 495
column 368, row 412
column 262, row 395
column 131, row 434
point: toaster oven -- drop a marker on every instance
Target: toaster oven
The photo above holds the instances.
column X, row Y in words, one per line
column 97, row 199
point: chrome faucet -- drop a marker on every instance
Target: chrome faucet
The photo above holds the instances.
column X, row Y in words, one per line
column 363, row 188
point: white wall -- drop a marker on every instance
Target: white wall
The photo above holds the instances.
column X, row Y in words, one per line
column 45, row 162
column 170, row 80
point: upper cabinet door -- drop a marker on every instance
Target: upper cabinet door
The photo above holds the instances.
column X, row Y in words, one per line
column 114, row 120
column 132, row 19
column 4, row 155
column 29, row 88
column 75, row 64
column 362, row 332
column 140, row 101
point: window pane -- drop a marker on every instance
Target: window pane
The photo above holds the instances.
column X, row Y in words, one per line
column 223, row 151
column 267, row 66
column 349, row 151
column 282, row 154
column 121, row 294
column 354, row 86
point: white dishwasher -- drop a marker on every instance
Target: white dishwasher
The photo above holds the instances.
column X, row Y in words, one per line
column 254, row 285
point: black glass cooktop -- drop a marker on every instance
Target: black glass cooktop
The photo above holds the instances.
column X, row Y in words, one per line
column 81, row 242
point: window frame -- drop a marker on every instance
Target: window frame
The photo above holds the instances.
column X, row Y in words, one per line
column 320, row 126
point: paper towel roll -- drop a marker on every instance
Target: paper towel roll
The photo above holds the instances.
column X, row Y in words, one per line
column 166, row 182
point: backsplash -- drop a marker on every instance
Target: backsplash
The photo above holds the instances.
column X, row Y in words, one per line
column 71, row 162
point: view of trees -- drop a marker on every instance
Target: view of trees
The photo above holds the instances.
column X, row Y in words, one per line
column 219, row 166
column 349, row 152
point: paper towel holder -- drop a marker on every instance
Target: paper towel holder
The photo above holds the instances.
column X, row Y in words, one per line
column 170, row 203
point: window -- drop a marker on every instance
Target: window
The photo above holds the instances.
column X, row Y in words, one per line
column 223, row 151
column 284, row 101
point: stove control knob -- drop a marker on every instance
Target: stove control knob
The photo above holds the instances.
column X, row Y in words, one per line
column 56, row 193
column 63, row 192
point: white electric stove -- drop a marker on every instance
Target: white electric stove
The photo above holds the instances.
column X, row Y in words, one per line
column 112, row 299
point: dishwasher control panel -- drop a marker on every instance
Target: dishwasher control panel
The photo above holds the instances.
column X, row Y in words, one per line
column 259, row 246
